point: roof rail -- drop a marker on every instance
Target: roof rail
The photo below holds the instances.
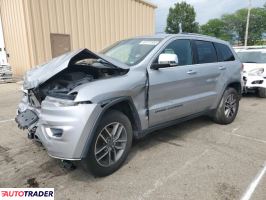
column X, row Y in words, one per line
column 197, row 34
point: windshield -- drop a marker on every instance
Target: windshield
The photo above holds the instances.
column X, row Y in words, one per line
column 252, row 57
column 131, row 51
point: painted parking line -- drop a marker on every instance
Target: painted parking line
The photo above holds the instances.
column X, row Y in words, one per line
column 249, row 138
column 161, row 181
column 251, row 188
column 7, row 120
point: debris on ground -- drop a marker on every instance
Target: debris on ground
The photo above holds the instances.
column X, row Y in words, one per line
column 66, row 164
column 32, row 183
column 5, row 74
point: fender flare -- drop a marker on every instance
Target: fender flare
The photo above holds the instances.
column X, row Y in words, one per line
column 224, row 89
column 107, row 104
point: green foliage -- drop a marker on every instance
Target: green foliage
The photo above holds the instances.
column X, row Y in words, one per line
column 231, row 25
column 216, row 28
column 182, row 13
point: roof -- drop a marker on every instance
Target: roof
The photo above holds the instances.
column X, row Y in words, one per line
column 147, row 3
column 192, row 35
column 250, row 47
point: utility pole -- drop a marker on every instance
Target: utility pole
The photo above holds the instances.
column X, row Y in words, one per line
column 247, row 26
column 180, row 27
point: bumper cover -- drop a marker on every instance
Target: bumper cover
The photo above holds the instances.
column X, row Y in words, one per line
column 76, row 123
column 251, row 82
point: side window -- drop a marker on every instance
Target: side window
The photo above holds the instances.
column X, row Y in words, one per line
column 182, row 49
column 224, row 53
column 205, row 52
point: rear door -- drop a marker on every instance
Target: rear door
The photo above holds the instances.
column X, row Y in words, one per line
column 210, row 72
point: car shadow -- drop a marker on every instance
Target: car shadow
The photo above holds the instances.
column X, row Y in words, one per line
column 173, row 135
column 251, row 94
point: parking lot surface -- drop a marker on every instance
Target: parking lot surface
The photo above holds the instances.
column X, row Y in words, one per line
column 194, row 160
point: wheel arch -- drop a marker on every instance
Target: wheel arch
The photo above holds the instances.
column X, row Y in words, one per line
column 122, row 104
column 237, row 86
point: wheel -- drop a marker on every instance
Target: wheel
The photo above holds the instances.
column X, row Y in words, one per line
column 262, row 92
column 110, row 144
column 228, row 107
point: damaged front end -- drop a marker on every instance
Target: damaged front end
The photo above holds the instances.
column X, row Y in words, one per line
column 49, row 109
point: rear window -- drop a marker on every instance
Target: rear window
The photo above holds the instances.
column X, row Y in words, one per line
column 224, row 53
column 205, row 52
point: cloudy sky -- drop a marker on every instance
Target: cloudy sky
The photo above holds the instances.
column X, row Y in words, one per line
column 205, row 9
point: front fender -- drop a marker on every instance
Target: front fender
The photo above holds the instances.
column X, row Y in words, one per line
column 97, row 91
column 107, row 104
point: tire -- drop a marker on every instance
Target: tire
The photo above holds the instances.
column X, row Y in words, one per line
column 228, row 107
column 262, row 92
column 105, row 155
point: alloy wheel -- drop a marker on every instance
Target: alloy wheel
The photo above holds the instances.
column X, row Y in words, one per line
column 230, row 106
column 110, row 144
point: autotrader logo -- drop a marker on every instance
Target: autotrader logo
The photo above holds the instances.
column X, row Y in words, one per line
column 27, row 193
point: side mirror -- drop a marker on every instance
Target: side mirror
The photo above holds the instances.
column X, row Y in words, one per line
column 165, row 60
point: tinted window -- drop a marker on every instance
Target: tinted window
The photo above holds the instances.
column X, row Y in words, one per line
column 182, row 49
column 205, row 52
column 224, row 53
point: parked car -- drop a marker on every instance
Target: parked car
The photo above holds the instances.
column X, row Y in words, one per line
column 254, row 73
column 88, row 106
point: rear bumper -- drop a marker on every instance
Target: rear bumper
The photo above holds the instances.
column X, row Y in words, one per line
column 65, row 131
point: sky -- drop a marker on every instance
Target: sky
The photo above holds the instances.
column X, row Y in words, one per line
column 205, row 9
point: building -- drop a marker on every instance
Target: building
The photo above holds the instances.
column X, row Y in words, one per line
column 37, row 30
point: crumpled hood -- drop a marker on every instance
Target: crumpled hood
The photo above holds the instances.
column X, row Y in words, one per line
column 42, row 73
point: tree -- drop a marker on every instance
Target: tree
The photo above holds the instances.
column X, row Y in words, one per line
column 237, row 23
column 184, row 14
column 234, row 25
column 216, row 28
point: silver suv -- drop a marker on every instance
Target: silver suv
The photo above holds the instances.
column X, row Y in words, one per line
column 88, row 106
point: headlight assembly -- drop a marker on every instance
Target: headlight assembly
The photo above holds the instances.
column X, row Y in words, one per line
column 256, row 72
column 63, row 99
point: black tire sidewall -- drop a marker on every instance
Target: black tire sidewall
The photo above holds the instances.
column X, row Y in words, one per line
column 262, row 92
column 109, row 117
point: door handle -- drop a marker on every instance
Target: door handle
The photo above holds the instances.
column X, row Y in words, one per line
column 191, row 72
column 222, row 68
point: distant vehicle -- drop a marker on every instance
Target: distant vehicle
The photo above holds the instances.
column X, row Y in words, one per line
column 89, row 106
column 5, row 68
column 254, row 72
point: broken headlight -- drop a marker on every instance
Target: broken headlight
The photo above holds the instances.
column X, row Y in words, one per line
column 63, row 99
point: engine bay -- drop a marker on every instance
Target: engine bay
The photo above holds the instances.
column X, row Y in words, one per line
column 76, row 74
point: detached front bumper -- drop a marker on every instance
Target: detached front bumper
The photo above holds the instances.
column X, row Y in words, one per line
column 65, row 130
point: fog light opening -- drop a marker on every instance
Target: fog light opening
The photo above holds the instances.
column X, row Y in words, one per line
column 57, row 132
column 257, row 82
